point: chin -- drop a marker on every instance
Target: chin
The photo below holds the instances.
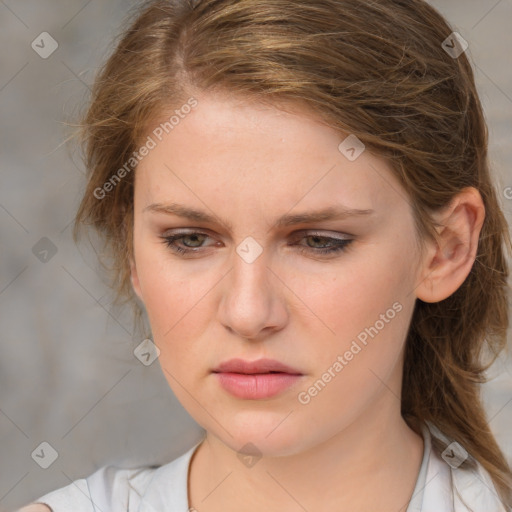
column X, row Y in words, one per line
column 260, row 437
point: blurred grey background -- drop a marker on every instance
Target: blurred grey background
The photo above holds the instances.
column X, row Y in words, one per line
column 68, row 375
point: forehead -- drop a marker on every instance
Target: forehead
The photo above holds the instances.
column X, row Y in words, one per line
column 253, row 153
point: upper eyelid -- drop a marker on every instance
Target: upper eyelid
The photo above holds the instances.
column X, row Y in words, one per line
column 305, row 231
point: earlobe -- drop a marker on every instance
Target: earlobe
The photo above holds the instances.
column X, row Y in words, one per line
column 449, row 260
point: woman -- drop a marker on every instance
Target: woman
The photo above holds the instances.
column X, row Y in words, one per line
column 299, row 195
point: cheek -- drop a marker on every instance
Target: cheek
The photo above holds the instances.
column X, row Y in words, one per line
column 176, row 315
column 367, row 316
column 174, row 306
column 168, row 291
column 177, row 305
column 354, row 293
column 362, row 312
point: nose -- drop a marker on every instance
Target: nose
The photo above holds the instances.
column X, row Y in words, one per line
column 253, row 302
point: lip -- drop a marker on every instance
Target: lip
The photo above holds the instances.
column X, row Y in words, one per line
column 253, row 380
column 252, row 367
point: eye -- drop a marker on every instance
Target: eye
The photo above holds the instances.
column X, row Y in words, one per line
column 320, row 244
column 192, row 242
column 317, row 244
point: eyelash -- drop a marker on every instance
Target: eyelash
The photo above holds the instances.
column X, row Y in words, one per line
column 340, row 244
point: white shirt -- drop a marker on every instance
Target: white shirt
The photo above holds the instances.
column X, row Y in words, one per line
column 164, row 488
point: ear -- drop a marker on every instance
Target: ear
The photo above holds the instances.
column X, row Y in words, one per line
column 135, row 279
column 448, row 261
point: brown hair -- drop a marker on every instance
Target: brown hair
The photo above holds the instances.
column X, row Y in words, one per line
column 373, row 68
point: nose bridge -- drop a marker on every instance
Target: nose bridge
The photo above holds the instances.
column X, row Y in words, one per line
column 250, row 286
column 250, row 302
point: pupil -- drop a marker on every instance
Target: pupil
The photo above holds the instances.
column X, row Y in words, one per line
column 194, row 238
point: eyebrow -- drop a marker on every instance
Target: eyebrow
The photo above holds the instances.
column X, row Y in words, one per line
column 330, row 213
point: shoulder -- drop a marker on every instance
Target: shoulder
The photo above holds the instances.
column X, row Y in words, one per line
column 108, row 488
column 474, row 486
column 116, row 489
column 459, row 477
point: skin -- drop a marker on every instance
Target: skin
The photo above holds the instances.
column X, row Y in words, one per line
column 348, row 448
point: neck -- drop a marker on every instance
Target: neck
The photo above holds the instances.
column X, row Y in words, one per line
column 372, row 464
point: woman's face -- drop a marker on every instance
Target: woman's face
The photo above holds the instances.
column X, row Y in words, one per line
column 258, row 280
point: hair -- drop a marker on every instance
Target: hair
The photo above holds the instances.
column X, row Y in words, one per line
column 373, row 68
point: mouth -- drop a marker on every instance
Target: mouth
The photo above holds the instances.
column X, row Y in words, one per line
column 255, row 380
column 260, row 366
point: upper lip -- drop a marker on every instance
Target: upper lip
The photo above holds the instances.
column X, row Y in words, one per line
column 252, row 367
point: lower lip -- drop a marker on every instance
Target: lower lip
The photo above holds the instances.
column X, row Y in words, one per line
column 256, row 386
